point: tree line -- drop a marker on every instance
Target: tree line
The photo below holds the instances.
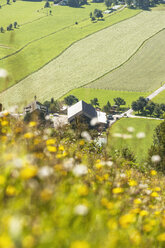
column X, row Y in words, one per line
column 145, row 107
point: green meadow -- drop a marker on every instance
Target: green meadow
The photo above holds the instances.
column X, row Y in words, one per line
column 143, row 72
column 138, row 146
column 84, row 61
column 86, row 94
column 41, row 37
column 160, row 98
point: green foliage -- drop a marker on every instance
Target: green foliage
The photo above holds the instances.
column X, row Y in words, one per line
column 158, row 148
column 98, row 13
column 107, row 108
column 104, row 96
column 95, row 102
column 47, row 4
column 70, row 100
column 119, row 101
column 108, row 3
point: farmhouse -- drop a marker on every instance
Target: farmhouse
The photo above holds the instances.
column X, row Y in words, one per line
column 35, row 106
column 87, row 112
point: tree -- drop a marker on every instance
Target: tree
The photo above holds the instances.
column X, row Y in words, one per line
column 47, row 4
column 158, row 148
column 95, row 102
column 108, row 3
column 73, row 3
column 8, row 1
column 119, row 101
column 157, row 110
column 1, row 29
column 98, row 13
column 15, row 24
column 107, row 108
column 135, row 106
column 150, row 108
column 70, row 100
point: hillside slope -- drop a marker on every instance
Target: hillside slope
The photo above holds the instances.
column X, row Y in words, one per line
column 87, row 59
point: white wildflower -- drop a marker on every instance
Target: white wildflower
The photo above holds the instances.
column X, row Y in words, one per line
column 80, row 170
column 118, row 135
column 15, row 227
column 131, row 129
column 81, row 210
column 127, row 136
column 3, row 73
column 86, row 135
column 68, row 164
column 155, row 158
column 140, row 135
column 45, row 171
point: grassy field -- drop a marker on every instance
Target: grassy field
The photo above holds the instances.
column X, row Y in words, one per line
column 160, row 98
column 143, row 72
column 138, row 146
column 104, row 96
column 43, row 37
column 84, row 61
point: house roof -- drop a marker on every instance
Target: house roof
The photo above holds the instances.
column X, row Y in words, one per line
column 79, row 108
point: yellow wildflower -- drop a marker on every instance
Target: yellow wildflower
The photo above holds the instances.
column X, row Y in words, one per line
column 10, row 190
column 118, row 190
column 157, row 212
column 81, row 142
column 143, row 213
column 28, row 172
column 161, row 237
column 61, row 148
column 137, row 201
column 99, row 166
column 135, row 210
column 32, row 124
column 4, row 123
column 157, row 189
column 147, row 228
column 51, row 148
column 132, row 183
column 153, row 172
column 5, row 241
column 80, row 244
column 28, row 135
column 106, row 203
column 154, row 194
column 126, row 220
column 50, row 142
column 83, row 190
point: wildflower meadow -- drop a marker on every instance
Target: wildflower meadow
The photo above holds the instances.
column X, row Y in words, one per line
column 58, row 190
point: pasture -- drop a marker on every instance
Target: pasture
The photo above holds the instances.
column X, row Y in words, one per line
column 143, row 72
column 41, row 37
column 85, row 60
column 160, row 98
column 86, row 94
column 139, row 146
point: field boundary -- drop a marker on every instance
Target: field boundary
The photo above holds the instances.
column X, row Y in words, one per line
column 116, row 68
column 69, row 47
